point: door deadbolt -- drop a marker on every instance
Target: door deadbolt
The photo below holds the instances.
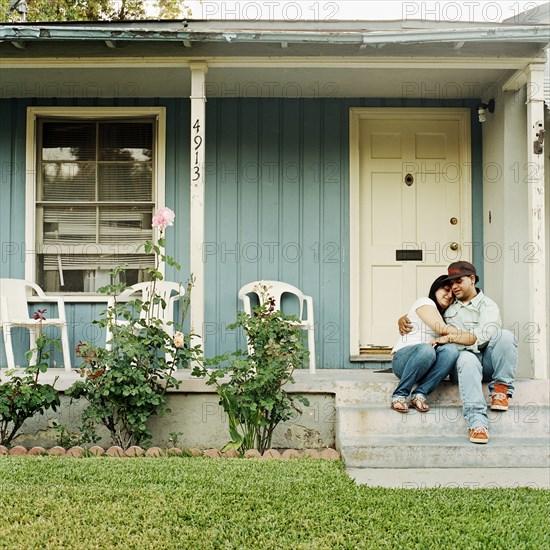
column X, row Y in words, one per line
column 409, row 179
column 454, row 247
column 454, row 221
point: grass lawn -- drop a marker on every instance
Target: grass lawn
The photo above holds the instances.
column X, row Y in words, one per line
column 49, row 502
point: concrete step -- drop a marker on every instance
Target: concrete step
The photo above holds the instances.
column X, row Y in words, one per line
column 378, row 389
column 444, row 452
column 370, row 435
column 528, row 420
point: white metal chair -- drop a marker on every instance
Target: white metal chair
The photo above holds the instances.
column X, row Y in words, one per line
column 14, row 312
column 277, row 290
column 168, row 291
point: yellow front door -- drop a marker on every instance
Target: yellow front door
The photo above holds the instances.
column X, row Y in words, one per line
column 413, row 192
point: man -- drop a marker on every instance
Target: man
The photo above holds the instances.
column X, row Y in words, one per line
column 493, row 357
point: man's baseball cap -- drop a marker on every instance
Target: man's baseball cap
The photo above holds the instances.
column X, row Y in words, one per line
column 461, row 269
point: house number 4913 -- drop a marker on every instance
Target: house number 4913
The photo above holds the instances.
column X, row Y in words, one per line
column 197, row 140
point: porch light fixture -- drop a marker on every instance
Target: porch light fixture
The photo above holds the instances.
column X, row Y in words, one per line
column 482, row 109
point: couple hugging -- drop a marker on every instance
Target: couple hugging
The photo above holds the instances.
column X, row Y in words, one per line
column 455, row 331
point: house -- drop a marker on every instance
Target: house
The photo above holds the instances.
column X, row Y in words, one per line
column 352, row 159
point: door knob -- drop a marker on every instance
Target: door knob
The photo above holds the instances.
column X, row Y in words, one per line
column 454, row 247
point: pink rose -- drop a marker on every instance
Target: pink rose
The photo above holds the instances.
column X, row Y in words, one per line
column 163, row 218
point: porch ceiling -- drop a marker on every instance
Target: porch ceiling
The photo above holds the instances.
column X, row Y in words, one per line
column 295, row 81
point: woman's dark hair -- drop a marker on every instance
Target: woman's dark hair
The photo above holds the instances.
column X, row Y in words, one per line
column 442, row 280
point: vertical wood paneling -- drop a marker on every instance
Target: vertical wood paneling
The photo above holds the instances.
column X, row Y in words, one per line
column 210, row 247
column 82, row 327
column 312, row 203
column 7, row 177
column 290, row 218
column 222, row 246
column 251, row 183
column 477, row 194
column 177, row 184
column 229, row 237
column 12, row 186
column 334, row 243
column 269, row 189
column 290, row 222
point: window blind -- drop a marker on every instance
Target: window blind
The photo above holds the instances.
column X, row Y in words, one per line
column 95, row 195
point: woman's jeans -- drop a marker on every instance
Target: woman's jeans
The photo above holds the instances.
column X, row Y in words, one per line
column 424, row 365
column 497, row 362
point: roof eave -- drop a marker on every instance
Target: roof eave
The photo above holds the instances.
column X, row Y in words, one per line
column 535, row 34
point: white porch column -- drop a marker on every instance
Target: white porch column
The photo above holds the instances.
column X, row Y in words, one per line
column 535, row 181
column 197, row 202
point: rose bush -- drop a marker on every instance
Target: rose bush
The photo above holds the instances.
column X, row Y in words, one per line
column 21, row 397
column 126, row 384
column 251, row 385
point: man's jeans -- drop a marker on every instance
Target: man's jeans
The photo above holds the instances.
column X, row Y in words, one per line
column 422, row 364
column 497, row 362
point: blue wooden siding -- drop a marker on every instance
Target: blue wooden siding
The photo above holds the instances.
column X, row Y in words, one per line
column 12, row 187
column 277, row 207
column 277, row 192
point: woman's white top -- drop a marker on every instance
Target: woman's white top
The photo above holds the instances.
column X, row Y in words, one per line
column 421, row 333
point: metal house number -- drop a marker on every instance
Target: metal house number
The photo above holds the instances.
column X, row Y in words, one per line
column 197, row 140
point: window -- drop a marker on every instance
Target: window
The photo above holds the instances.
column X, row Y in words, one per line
column 95, row 195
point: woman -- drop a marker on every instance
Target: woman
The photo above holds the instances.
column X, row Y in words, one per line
column 424, row 356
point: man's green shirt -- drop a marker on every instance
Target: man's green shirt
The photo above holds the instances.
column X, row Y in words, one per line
column 480, row 316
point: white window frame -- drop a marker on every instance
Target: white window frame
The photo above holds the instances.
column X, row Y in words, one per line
column 82, row 113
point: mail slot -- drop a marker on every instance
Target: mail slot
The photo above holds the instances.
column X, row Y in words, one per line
column 408, row 255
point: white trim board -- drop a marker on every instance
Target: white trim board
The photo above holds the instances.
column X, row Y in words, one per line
column 329, row 62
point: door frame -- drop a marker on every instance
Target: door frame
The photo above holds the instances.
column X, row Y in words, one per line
column 357, row 114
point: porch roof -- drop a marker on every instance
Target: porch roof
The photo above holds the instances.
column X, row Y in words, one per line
column 258, row 35
column 305, row 58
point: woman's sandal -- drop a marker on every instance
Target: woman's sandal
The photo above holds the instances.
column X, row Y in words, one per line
column 418, row 402
column 400, row 405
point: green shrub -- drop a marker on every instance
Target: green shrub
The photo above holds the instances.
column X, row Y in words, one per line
column 85, row 435
column 253, row 396
column 22, row 396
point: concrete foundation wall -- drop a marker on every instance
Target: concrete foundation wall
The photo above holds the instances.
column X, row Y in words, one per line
column 198, row 421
